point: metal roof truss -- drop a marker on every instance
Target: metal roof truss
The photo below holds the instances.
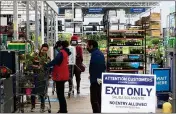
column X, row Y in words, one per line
column 107, row 4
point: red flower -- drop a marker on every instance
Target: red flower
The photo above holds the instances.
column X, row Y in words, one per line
column 3, row 70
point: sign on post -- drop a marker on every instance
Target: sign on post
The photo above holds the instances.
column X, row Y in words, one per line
column 128, row 93
column 163, row 79
column 152, row 66
column 137, row 10
column 95, row 10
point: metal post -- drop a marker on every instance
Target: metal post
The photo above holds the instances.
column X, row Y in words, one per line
column 56, row 27
column 53, row 27
column 36, row 25
column 15, row 19
column 27, row 25
column 174, row 74
column 73, row 16
column 42, row 22
column 27, row 19
column 47, row 11
column 52, row 37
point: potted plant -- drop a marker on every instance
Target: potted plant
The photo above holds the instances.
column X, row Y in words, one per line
column 155, row 41
column 28, row 87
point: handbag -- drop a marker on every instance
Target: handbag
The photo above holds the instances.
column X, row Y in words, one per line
column 82, row 67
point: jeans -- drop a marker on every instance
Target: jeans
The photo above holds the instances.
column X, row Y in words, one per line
column 40, row 89
column 95, row 97
column 60, row 90
column 74, row 71
column 33, row 98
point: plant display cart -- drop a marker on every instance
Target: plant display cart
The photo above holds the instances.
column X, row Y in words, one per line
column 126, row 51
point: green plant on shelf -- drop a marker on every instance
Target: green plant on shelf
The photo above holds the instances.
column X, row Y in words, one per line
column 115, row 50
column 158, row 56
column 155, row 41
column 136, row 51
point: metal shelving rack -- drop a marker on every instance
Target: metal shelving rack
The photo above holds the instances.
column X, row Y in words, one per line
column 169, row 37
column 120, row 59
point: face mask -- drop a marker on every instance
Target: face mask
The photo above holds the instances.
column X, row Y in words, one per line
column 89, row 50
column 58, row 49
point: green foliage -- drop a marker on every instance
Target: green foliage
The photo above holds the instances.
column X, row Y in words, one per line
column 158, row 56
column 97, row 37
column 39, row 39
column 155, row 41
column 30, row 58
column 65, row 36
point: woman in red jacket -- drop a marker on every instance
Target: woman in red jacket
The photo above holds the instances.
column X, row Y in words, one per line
column 60, row 74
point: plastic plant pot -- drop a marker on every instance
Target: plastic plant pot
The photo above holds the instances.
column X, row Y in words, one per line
column 28, row 91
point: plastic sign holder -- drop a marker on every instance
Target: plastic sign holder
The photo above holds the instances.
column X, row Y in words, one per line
column 163, row 79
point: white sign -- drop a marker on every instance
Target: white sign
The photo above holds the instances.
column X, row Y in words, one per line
column 72, row 57
column 128, row 93
column 68, row 14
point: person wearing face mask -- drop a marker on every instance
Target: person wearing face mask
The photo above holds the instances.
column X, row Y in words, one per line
column 96, row 68
column 57, row 47
column 42, row 59
column 78, row 64
column 60, row 74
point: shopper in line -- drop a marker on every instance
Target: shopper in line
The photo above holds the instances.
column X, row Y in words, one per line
column 79, row 64
column 57, row 47
column 96, row 68
column 60, row 74
column 40, row 79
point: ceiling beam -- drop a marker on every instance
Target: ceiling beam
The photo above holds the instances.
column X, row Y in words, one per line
column 109, row 4
column 114, row 1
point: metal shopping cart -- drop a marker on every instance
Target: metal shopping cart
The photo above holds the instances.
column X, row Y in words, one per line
column 71, row 85
column 33, row 84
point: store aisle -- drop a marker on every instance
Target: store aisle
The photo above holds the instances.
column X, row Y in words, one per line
column 77, row 103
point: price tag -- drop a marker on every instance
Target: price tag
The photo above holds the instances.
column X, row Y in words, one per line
column 126, row 50
column 112, row 40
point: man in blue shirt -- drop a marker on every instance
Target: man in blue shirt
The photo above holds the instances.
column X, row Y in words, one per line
column 96, row 68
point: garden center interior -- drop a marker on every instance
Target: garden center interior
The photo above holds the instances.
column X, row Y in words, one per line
column 134, row 36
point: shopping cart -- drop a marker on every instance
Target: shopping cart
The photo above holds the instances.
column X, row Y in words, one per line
column 54, row 87
column 33, row 84
column 71, row 85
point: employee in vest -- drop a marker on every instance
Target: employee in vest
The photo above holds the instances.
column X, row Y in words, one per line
column 79, row 61
column 60, row 74
column 57, row 48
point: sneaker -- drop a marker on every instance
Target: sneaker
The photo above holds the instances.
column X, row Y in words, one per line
column 33, row 108
column 42, row 106
column 62, row 112
column 78, row 91
column 42, row 110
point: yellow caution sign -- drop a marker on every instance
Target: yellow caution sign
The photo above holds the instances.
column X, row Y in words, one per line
column 167, row 107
